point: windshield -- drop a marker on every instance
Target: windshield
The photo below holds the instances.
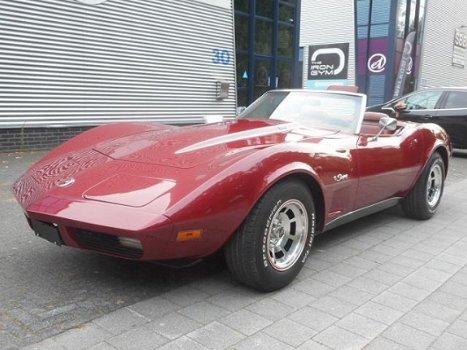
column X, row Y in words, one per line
column 338, row 111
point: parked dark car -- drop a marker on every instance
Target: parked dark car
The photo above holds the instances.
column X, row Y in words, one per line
column 446, row 107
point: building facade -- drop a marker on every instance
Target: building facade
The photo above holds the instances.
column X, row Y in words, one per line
column 67, row 65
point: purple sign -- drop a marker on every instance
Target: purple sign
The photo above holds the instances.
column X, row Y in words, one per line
column 372, row 55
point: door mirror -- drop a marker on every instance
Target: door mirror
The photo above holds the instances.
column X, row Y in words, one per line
column 388, row 123
column 385, row 123
column 388, row 109
column 400, row 106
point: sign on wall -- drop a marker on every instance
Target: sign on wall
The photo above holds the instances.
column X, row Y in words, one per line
column 327, row 65
column 458, row 52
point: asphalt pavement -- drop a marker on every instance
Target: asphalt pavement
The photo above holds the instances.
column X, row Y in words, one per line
column 382, row 282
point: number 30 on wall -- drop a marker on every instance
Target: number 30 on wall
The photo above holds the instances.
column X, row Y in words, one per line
column 220, row 56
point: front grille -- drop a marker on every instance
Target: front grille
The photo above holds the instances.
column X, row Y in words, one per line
column 102, row 242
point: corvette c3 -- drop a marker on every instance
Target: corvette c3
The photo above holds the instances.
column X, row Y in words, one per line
column 259, row 188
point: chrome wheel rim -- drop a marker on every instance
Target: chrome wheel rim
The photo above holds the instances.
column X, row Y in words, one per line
column 434, row 185
column 287, row 234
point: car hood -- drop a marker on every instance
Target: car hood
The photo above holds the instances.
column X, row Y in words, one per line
column 187, row 147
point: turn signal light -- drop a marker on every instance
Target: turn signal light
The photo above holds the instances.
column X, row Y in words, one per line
column 189, row 234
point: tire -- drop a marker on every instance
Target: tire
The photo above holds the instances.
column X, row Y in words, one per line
column 423, row 201
column 271, row 246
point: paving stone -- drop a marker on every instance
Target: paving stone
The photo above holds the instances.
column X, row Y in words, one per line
column 362, row 263
column 102, row 346
column 233, row 299
column 448, row 341
column 334, row 306
column 313, row 318
column 216, row 284
column 361, row 325
column 293, row 298
column 385, row 277
column 154, row 307
column 352, row 295
column 382, row 343
column 409, row 291
column 347, row 270
column 186, row 295
column 47, row 344
column 183, row 343
column 290, row 332
column 82, row 338
column 121, row 320
column 245, row 322
column 368, row 285
column 452, row 301
column 173, row 325
column 409, row 336
column 374, row 256
column 312, row 345
column 424, row 323
column 204, row 312
column 331, row 278
column 396, row 269
column 459, row 328
column 270, row 309
column 313, row 287
column 216, row 336
column 379, row 312
column 262, row 341
column 339, row 338
column 438, row 311
column 395, row 301
column 140, row 338
column 454, row 288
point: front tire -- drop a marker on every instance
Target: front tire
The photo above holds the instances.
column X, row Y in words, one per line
column 423, row 201
column 271, row 246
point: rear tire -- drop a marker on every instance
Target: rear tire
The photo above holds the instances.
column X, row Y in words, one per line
column 271, row 246
column 423, row 201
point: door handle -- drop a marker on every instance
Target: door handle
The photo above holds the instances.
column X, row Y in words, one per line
column 427, row 116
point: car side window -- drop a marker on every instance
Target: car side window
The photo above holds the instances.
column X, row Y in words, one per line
column 456, row 99
column 423, row 100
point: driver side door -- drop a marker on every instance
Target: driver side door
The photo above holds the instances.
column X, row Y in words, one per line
column 419, row 107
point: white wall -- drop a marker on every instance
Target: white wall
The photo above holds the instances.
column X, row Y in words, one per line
column 442, row 18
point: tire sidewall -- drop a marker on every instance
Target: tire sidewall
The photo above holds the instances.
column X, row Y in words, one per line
column 284, row 192
column 436, row 159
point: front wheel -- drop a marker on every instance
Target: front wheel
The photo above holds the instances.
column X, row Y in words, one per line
column 422, row 202
column 271, row 246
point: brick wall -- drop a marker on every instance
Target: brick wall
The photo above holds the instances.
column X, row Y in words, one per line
column 36, row 138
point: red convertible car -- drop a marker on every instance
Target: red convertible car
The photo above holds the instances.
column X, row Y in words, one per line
column 294, row 164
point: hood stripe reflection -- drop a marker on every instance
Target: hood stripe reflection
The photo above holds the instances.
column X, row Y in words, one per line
column 242, row 135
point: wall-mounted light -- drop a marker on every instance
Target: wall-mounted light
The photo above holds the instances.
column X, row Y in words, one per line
column 222, row 89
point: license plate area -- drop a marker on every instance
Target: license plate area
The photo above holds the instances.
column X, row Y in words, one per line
column 47, row 231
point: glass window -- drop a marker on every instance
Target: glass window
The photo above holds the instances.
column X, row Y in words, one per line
column 241, row 5
column 423, row 100
column 284, row 74
column 456, row 99
column 262, row 77
column 401, row 19
column 242, row 70
column 286, row 13
column 263, row 37
column 264, row 8
column 285, row 45
column 241, row 32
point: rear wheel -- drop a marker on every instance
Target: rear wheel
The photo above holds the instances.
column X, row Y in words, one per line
column 422, row 202
column 271, row 246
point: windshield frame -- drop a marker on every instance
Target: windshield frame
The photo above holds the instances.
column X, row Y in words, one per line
column 362, row 108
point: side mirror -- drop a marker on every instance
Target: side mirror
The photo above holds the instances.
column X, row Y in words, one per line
column 400, row 106
column 389, row 109
column 386, row 123
column 209, row 119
